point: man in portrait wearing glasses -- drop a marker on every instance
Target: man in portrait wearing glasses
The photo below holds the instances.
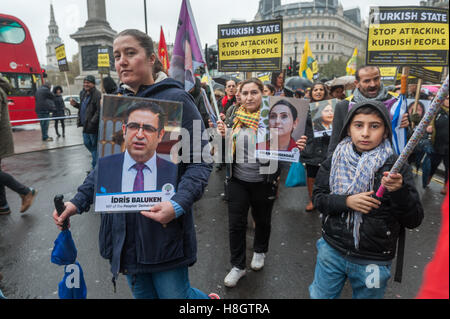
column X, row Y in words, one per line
column 139, row 168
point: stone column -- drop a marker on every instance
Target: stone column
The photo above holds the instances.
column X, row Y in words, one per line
column 96, row 33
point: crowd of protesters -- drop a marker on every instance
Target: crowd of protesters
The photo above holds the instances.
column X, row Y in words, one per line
column 342, row 171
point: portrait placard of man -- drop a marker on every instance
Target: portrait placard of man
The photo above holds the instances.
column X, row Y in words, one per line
column 139, row 177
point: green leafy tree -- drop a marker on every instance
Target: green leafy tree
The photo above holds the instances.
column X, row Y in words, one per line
column 333, row 69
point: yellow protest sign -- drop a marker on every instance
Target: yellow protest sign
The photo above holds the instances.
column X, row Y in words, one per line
column 103, row 61
column 60, row 52
column 407, row 36
column 251, row 47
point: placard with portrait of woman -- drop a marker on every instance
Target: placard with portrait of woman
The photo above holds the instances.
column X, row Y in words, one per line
column 322, row 115
column 282, row 123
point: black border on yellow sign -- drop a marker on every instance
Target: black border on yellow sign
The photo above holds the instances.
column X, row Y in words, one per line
column 417, row 57
column 250, row 64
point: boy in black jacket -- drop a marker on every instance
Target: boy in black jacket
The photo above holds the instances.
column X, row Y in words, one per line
column 359, row 230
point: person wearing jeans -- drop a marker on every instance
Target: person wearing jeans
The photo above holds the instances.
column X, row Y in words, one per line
column 89, row 115
column 171, row 284
column 90, row 141
column 44, row 125
column 44, row 105
column 332, row 270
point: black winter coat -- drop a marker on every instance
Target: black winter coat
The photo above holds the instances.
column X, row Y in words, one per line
column 59, row 106
column 380, row 228
column 44, row 100
column 91, row 123
column 441, row 138
column 316, row 149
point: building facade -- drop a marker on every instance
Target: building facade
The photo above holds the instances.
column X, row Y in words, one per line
column 53, row 40
column 332, row 32
column 435, row 3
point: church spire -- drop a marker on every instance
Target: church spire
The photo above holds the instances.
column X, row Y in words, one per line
column 53, row 40
column 52, row 14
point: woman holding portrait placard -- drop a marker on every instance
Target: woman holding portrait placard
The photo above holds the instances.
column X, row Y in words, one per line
column 252, row 184
column 317, row 147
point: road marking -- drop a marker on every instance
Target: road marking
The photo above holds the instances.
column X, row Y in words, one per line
column 434, row 179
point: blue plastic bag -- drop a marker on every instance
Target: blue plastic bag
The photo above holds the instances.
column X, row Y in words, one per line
column 64, row 252
column 296, row 176
column 72, row 286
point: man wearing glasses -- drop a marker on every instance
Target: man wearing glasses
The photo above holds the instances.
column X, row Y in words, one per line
column 140, row 167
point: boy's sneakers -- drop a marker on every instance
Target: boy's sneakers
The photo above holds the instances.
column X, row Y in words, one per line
column 213, row 296
column 233, row 277
column 258, row 261
column 28, row 199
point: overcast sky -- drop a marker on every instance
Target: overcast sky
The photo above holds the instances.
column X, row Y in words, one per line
column 72, row 14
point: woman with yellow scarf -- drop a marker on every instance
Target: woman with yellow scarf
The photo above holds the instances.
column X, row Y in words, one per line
column 251, row 185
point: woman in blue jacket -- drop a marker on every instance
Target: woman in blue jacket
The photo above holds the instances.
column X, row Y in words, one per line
column 151, row 275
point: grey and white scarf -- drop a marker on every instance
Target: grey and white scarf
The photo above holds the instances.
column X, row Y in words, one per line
column 353, row 174
column 383, row 95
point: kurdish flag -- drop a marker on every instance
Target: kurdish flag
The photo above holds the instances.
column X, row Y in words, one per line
column 351, row 64
column 187, row 53
column 308, row 65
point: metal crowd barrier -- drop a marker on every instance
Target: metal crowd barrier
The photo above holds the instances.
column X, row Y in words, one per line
column 45, row 119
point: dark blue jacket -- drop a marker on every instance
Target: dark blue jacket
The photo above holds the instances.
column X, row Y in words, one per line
column 157, row 248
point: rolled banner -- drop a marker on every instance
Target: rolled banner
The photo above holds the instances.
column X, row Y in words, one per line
column 418, row 133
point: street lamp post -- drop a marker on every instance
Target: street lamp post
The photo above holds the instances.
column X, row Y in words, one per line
column 145, row 14
column 295, row 59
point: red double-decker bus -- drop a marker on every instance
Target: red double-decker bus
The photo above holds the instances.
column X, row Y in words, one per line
column 20, row 65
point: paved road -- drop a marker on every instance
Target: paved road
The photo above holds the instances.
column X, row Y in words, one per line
column 26, row 240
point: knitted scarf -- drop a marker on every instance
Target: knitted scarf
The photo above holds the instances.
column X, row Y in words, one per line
column 382, row 95
column 244, row 119
column 353, row 174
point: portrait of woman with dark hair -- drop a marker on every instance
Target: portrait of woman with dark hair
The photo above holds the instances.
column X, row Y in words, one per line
column 323, row 117
column 283, row 120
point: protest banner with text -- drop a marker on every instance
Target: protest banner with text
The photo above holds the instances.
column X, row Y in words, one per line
column 251, row 47
column 61, row 58
column 408, row 36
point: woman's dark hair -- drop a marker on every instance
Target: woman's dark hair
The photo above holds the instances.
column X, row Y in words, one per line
column 56, row 88
column 318, row 114
column 256, row 81
column 109, row 85
column 325, row 96
column 334, row 88
column 275, row 75
column 289, row 105
column 145, row 41
column 270, row 87
column 419, row 104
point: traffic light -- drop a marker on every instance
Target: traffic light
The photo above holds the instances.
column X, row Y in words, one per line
column 212, row 59
column 296, row 68
column 289, row 68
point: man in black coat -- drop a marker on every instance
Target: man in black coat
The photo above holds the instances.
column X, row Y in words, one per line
column 44, row 105
column 89, row 115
